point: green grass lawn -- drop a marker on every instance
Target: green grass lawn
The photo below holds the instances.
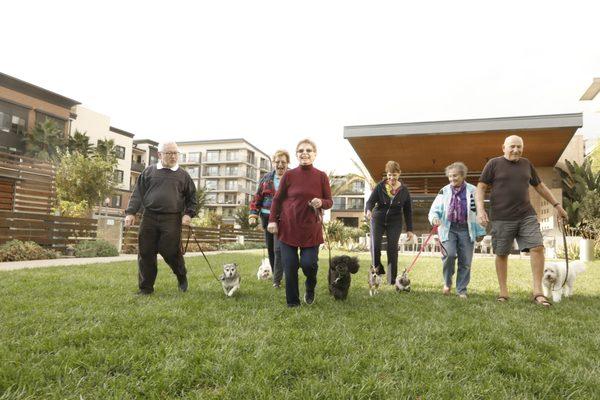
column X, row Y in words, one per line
column 82, row 333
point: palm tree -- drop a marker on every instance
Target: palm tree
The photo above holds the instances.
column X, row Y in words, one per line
column 343, row 184
column 80, row 143
column 106, row 149
column 44, row 141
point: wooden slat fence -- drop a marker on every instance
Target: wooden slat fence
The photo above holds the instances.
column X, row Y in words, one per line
column 27, row 183
column 209, row 238
column 46, row 230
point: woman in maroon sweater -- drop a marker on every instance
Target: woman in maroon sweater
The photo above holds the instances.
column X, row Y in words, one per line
column 302, row 193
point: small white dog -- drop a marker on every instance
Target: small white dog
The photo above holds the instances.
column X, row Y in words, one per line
column 374, row 281
column 554, row 277
column 230, row 280
column 264, row 271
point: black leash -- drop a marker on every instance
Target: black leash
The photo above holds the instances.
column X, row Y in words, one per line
column 187, row 242
column 320, row 219
column 563, row 229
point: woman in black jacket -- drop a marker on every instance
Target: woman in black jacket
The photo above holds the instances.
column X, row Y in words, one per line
column 389, row 201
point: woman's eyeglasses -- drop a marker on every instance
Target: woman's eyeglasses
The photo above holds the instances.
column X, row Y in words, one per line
column 304, row 151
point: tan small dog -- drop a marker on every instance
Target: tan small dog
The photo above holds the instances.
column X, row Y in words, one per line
column 231, row 279
column 374, row 281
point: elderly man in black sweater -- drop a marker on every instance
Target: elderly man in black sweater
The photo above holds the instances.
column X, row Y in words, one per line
column 167, row 195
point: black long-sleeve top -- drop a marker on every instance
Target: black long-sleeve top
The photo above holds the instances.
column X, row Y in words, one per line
column 388, row 210
column 163, row 191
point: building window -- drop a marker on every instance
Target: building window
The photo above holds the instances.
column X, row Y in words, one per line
column 358, row 186
column 13, row 119
column 211, row 184
column 228, row 212
column 212, row 170
column 250, row 157
column 120, row 152
column 118, row 176
column 182, row 158
column 40, row 118
column 264, row 164
column 230, row 184
column 339, row 203
column 231, row 155
column 153, row 160
column 194, row 172
column 211, row 198
column 212, row 155
column 115, row 201
column 356, row 204
column 230, row 199
column 194, row 157
column 231, row 171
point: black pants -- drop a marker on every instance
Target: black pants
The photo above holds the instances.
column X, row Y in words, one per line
column 159, row 233
column 308, row 261
column 392, row 231
column 264, row 219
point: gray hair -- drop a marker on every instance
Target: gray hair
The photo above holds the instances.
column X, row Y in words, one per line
column 459, row 166
column 161, row 146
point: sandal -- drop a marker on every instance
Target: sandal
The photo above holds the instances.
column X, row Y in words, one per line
column 502, row 299
column 543, row 302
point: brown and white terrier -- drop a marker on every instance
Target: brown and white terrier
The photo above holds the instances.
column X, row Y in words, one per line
column 374, row 280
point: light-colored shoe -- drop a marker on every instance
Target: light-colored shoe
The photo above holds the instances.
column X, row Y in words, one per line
column 446, row 290
column 462, row 296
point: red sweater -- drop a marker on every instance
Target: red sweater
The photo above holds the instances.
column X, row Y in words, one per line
column 297, row 222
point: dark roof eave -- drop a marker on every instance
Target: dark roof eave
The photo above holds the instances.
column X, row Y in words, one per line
column 574, row 120
column 36, row 91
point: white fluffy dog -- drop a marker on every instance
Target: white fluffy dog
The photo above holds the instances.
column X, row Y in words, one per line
column 554, row 277
column 264, row 271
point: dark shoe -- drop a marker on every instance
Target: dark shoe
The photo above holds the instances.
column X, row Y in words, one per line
column 293, row 305
column 144, row 292
column 277, row 285
column 183, row 285
column 380, row 270
column 309, row 297
column 541, row 300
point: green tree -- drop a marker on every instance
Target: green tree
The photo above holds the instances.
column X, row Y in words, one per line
column 44, row 141
column 201, row 198
column 241, row 217
column 80, row 143
column 577, row 180
column 81, row 179
column 106, row 150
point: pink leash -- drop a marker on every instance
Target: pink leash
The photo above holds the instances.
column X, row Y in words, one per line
column 442, row 248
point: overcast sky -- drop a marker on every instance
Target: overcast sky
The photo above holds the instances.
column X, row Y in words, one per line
column 274, row 72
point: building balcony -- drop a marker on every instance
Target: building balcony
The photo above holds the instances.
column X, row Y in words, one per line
column 137, row 167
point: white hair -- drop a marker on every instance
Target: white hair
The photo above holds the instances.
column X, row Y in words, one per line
column 161, row 146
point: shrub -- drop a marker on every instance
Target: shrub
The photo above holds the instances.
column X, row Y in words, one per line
column 95, row 248
column 354, row 233
column 16, row 250
column 573, row 249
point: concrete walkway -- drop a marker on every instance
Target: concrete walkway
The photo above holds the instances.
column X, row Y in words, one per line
column 62, row 262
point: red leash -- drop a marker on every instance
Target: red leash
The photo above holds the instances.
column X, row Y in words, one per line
column 442, row 248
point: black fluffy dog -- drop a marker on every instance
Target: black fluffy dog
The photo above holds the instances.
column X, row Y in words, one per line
column 340, row 269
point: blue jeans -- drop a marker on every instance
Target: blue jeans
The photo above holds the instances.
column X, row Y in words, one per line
column 308, row 261
column 458, row 246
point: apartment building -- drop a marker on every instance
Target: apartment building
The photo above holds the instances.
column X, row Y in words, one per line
column 348, row 200
column 228, row 168
column 143, row 153
column 23, row 104
column 97, row 127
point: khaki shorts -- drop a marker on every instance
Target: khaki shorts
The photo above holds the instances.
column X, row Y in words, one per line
column 526, row 231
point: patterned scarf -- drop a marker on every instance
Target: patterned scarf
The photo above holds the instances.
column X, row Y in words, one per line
column 458, row 206
column 389, row 190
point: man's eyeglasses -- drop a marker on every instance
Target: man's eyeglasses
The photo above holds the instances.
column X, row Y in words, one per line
column 280, row 162
column 170, row 153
